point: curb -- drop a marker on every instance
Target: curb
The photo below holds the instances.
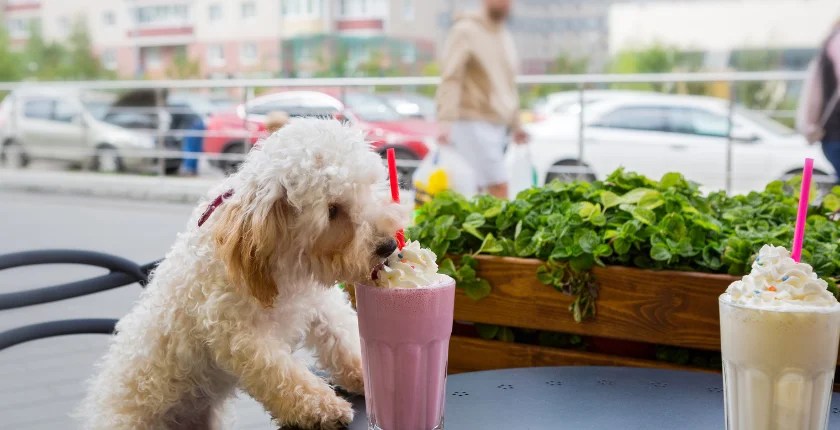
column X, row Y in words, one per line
column 131, row 187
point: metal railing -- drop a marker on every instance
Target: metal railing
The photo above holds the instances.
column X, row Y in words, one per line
column 583, row 83
column 122, row 272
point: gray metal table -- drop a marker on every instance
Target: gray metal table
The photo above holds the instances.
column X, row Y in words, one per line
column 580, row 398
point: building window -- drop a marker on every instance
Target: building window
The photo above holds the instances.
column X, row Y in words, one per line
column 362, row 8
column 300, row 8
column 216, row 55
column 64, row 26
column 408, row 10
column 109, row 59
column 248, row 9
column 409, row 54
column 162, row 15
column 215, row 12
column 151, row 58
column 248, row 53
column 108, row 18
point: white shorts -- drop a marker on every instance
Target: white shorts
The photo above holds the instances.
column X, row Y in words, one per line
column 482, row 144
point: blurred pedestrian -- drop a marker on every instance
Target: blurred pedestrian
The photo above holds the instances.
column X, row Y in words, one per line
column 818, row 116
column 276, row 120
column 193, row 144
column 478, row 100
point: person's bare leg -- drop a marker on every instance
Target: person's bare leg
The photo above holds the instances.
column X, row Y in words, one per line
column 498, row 190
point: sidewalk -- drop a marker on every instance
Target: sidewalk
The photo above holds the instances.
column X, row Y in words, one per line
column 132, row 187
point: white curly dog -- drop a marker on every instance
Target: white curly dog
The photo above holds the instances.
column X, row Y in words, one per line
column 238, row 294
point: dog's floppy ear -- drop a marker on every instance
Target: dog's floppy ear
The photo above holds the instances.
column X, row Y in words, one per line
column 246, row 239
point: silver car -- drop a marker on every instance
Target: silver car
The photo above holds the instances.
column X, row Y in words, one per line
column 67, row 125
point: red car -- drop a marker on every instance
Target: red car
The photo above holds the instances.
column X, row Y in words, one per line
column 412, row 138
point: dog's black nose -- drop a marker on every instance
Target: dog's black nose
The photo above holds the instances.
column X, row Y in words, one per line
column 385, row 249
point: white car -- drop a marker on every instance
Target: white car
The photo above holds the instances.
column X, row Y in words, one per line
column 565, row 103
column 70, row 126
column 656, row 134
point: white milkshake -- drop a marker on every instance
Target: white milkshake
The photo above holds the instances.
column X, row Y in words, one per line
column 780, row 329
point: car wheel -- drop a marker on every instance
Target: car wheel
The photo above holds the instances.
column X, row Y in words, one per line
column 13, row 156
column 825, row 181
column 404, row 172
column 107, row 160
column 581, row 172
column 230, row 166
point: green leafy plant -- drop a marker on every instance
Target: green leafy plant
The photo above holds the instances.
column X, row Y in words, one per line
column 627, row 220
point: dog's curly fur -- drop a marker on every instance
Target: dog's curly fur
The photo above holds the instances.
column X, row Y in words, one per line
column 235, row 297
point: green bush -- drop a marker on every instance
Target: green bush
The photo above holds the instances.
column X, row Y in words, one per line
column 626, row 220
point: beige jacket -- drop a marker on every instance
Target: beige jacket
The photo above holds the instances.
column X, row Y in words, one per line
column 478, row 72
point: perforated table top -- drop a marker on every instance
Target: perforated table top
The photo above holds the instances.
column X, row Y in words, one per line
column 596, row 398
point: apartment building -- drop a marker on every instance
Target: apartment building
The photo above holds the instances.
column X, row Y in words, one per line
column 243, row 38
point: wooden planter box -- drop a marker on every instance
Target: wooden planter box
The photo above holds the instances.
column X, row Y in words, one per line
column 665, row 307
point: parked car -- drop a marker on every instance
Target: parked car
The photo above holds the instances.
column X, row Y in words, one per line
column 235, row 132
column 566, row 103
column 67, row 125
column 656, row 134
column 411, row 105
column 137, row 110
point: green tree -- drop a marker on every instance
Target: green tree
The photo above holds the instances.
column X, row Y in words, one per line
column 183, row 67
column 50, row 61
column 83, row 64
column 430, row 69
column 655, row 59
column 562, row 65
column 11, row 66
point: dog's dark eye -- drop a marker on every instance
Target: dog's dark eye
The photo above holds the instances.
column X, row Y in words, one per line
column 333, row 211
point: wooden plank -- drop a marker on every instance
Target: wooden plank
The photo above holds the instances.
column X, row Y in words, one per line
column 670, row 308
column 470, row 354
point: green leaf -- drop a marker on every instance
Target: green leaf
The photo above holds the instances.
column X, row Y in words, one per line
column 831, row 202
column 603, row 250
column 486, row 331
column 609, row 199
column 506, row 335
column 660, row 253
column 472, row 224
column 598, row 220
column 518, row 230
column 670, row 180
column 544, row 275
column 609, row 234
column 651, row 200
column 646, row 216
column 493, row 211
column 490, row 245
column 582, row 263
column 589, row 241
column 621, row 246
column 634, row 196
column 465, row 273
column 478, row 290
column 586, row 209
column 447, row 267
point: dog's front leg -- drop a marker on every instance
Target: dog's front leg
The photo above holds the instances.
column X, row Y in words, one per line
column 334, row 336
column 268, row 371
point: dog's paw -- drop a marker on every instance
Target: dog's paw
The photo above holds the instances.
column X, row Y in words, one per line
column 336, row 414
column 351, row 379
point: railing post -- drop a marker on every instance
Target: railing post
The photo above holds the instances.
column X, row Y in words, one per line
column 245, row 98
column 729, row 140
column 162, row 128
column 581, row 139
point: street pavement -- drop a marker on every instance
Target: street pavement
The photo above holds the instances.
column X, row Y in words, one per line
column 42, row 381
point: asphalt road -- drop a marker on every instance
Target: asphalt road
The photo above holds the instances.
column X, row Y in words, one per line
column 42, row 381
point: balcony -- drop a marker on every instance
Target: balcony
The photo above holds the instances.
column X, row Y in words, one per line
column 12, row 6
column 162, row 25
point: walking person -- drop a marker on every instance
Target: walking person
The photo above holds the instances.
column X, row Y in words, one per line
column 478, row 100
column 818, row 116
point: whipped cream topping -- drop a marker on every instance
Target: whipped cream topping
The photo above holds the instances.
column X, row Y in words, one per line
column 410, row 267
column 777, row 281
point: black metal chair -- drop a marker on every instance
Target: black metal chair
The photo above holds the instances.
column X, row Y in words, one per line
column 122, row 272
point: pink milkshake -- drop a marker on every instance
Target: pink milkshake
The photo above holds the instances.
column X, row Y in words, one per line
column 405, row 324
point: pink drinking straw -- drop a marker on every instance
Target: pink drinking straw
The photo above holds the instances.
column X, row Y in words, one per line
column 804, row 197
column 395, row 189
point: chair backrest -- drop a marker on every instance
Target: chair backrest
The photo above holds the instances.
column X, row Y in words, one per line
column 121, row 272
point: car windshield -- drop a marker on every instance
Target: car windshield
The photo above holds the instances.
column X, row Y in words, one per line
column 371, row 108
column 97, row 108
column 765, row 122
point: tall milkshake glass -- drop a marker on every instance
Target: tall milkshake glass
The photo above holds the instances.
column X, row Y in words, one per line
column 780, row 330
column 405, row 344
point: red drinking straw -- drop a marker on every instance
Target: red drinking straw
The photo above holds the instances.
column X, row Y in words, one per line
column 802, row 214
column 395, row 189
